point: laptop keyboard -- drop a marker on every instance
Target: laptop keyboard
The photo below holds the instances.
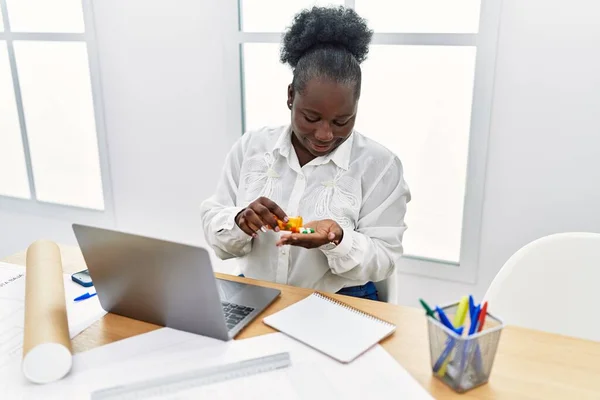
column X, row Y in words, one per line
column 234, row 313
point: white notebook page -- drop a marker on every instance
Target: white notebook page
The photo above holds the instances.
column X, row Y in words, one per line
column 342, row 333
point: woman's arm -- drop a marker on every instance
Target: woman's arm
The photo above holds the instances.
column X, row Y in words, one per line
column 371, row 250
column 219, row 211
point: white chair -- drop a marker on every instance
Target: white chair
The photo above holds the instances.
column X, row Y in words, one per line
column 551, row 284
column 387, row 289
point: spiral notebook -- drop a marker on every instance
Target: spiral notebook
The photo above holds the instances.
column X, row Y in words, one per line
column 334, row 328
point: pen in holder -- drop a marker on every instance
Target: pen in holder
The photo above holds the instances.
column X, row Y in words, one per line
column 463, row 362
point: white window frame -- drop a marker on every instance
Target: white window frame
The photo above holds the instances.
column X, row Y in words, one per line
column 33, row 205
column 466, row 269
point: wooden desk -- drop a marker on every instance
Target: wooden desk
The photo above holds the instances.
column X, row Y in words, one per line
column 529, row 364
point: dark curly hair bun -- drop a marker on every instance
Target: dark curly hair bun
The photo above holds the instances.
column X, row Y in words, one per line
column 326, row 42
column 326, row 26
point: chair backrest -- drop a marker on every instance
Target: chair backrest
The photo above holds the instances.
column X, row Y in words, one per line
column 551, row 284
column 387, row 289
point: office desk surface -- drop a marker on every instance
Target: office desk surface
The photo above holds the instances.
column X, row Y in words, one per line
column 529, row 364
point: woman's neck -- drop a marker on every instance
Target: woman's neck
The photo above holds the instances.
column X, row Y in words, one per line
column 304, row 156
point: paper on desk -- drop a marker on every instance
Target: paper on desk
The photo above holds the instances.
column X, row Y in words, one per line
column 166, row 351
column 312, row 375
column 156, row 354
column 375, row 374
column 12, row 300
column 103, row 360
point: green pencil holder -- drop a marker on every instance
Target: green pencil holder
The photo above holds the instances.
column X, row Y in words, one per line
column 463, row 362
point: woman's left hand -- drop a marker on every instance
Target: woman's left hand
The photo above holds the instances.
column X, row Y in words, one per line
column 326, row 231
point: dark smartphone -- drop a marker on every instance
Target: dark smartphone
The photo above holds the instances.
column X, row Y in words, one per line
column 83, row 278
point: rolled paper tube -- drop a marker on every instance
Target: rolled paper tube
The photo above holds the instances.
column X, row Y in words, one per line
column 47, row 353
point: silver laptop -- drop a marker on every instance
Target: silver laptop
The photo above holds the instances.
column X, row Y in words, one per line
column 167, row 284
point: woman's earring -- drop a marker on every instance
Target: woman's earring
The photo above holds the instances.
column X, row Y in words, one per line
column 290, row 106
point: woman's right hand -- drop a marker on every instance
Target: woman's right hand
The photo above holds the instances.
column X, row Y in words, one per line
column 259, row 214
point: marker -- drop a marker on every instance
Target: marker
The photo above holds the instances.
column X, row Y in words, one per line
column 467, row 344
column 441, row 361
column 481, row 322
column 461, row 312
column 471, row 306
column 444, row 319
column 440, row 364
column 84, row 296
column 482, row 315
column 474, row 321
column 459, row 320
column 428, row 310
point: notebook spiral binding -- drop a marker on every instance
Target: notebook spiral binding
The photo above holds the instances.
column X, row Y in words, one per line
column 352, row 309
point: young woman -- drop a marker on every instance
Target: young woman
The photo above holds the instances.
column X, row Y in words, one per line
column 350, row 188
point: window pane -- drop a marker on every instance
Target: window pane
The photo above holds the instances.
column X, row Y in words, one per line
column 57, row 101
column 13, row 172
column 274, row 15
column 416, row 100
column 265, row 86
column 419, row 16
column 45, row 15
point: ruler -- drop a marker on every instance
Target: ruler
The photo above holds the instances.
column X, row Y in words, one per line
column 193, row 379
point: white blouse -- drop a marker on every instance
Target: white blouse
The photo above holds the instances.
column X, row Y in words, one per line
column 360, row 185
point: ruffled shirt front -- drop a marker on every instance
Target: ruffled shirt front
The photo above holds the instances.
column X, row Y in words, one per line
column 360, row 185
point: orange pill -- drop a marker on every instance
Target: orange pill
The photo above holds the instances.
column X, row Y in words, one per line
column 293, row 224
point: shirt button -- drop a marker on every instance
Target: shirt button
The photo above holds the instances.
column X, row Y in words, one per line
column 301, row 177
column 283, row 252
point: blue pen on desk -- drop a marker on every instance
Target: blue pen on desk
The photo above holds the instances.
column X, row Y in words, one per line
column 84, row 296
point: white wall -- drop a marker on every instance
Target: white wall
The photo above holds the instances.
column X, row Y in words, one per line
column 19, row 230
column 162, row 74
column 166, row 92
column 544, row 162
